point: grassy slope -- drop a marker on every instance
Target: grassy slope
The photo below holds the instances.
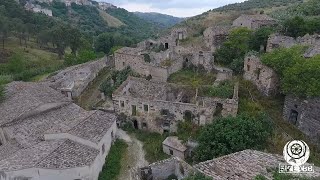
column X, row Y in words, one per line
column 112, row 21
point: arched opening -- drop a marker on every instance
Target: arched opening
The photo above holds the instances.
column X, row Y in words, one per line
column 188, row 116
column 135, row 124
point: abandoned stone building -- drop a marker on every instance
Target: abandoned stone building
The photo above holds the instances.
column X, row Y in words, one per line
column 172, row 40
column 159, row 106
column 160, row 65
column 162, row 170
column 44, row 135
column 74, row 80
column 215, row 36
column 174, row 147
column 305, row 114
column 279, row 41
column 254, row 21
column 261, row 75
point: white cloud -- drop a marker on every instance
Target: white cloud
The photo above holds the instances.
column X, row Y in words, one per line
column 180, row 8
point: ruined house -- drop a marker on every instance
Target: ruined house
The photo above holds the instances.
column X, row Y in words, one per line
column 244, row 165
column 254, row 21
column 279, row 41
column 172, row 40
column 44, row 135
column 305, row 114
column 174, row 147
column 159, row 106
column 162, row 170
column 73, row 80
column 261, row 75
column 215, row 36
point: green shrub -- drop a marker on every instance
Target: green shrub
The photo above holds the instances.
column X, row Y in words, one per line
column 223, row 90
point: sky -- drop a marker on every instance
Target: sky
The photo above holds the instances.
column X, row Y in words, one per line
column 178, row 8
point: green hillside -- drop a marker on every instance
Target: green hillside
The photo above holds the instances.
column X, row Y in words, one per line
column 163, row 20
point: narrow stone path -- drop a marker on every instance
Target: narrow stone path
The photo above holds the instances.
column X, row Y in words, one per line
column 134, row 157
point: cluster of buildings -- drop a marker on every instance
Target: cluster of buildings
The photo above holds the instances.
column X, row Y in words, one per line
column 37, row 8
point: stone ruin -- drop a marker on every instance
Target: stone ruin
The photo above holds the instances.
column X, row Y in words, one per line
column 215, row 36
column 163, row 169
column 304, row 113
column 254, row 21
column 159, row 106
column 279, row 41
column 73, row 80
column 261, row 75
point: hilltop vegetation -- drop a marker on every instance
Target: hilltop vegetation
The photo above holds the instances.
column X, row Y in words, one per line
column 255, row 4
column 162, row 20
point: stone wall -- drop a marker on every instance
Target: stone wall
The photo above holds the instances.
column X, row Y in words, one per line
column 214, row 37
column 305, row 114
column 262, row 76
column 149, row 112
column 253, row 21
column 166, row 149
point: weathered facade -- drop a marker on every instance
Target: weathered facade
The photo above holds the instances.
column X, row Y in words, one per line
column 215, row 36
column 279, row 41
column 262, row 76
column 73, row 80
column 174, row 147
column 254, row 21
column 158, row 106
column 172, row 40
column 162, row 170
column 43, row 135
column 305, row 114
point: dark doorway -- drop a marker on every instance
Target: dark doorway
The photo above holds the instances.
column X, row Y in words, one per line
column 166, row 45
column 135, row 124
column 258, row 73
column 293, row 117
column 219, row 109
column 134, row 110
column 188, row 116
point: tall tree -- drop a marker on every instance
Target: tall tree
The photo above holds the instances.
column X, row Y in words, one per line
column 60, row 38
column 74, row 40
column 4, row 29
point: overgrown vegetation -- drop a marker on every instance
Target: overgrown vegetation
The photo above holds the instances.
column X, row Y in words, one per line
column 188, row 130
column 279, row 176
column 152, row 143
column 187, row 76
column 223, row 90
column 111, row 168
column 298, row 76
column 105, row 42
column 114, row 81
column 233, row 134
column 197, row 176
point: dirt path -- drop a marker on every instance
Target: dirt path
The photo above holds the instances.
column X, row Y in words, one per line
column 134, row 157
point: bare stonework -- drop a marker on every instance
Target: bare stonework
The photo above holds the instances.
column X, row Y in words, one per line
column 73, row 80
column 158, row 106
column 279, row 41
column 254, row 21
column 262, row 76
column 305, row 114
column 215, row 36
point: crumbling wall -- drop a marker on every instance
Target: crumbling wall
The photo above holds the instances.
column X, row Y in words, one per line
column 305, row 114
column 214, row 37
column 262, row 76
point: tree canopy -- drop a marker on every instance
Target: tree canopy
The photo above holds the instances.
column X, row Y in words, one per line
column 233, row 134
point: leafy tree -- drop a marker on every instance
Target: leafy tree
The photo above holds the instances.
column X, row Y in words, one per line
column 303, row 79
column 283, row 58
column 74, row 39
column 60, row 38
column 235, row 47
column 233, row 134
column 295, row 27
column 106, row 41
column 260, row 37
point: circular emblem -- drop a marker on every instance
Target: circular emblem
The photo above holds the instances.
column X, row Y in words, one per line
column 296, row 153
